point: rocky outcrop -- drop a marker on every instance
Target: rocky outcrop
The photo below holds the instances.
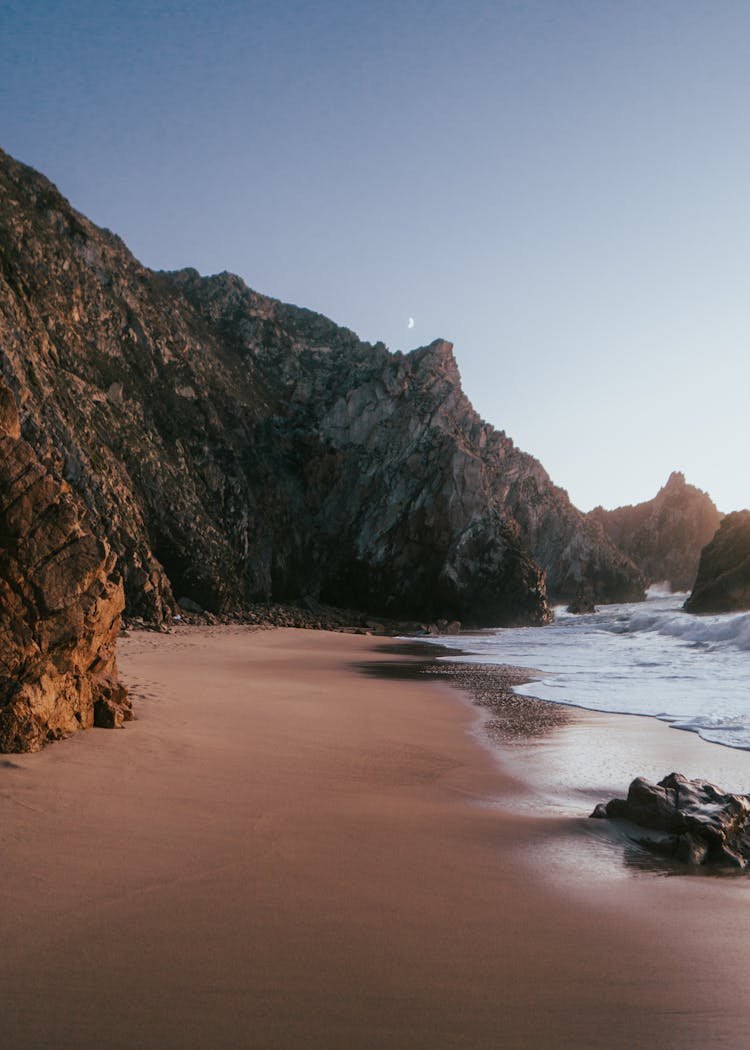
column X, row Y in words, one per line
column 60, row 605
column 582, row 604
column 690, row 821
column 232, row 449
column 664, row 536
column 723, row 581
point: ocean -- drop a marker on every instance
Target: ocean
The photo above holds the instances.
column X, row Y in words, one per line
column 646, row 658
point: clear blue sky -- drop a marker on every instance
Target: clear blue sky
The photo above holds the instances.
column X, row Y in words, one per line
column 560, row 188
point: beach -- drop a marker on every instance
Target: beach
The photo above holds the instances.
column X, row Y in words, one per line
column 287, row 850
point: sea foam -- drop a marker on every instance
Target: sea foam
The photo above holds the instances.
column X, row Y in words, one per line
column 648, row 658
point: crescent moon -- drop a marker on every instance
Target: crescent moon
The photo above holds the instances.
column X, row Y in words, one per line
column 411, row 323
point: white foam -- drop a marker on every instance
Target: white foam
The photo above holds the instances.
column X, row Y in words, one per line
column 660, row 589
column 650, row 658
column 731, row 629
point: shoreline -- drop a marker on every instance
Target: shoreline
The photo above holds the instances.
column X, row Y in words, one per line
column 507, row 718
column 523, row 675
column 283, row 852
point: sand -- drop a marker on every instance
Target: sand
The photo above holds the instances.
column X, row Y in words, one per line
column 284, row 852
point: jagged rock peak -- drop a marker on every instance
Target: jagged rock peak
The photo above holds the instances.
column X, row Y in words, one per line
column 438, row 352
column 60, row 605
column 677, row 485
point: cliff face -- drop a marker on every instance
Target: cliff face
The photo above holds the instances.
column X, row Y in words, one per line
column 231, row 448
column 60, row 602
column 664, row 536
column 408, row 456
column 723, row 582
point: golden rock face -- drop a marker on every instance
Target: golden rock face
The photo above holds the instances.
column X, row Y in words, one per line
column 60, row 605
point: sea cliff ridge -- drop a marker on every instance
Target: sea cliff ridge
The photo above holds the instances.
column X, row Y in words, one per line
column 665, row 535
column 232, row 448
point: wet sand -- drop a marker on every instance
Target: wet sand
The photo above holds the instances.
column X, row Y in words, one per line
column 283, row 851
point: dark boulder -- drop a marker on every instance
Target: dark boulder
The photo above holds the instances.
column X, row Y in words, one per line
column 691, row 821
column 582, row 603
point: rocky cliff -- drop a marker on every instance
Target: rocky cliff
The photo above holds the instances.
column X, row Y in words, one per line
column 723, row 581
column 664, row 536
column 60, row 604
column 231, row 448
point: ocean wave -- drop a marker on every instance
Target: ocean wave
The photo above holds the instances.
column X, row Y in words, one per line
column 650, row 658
column 661, row 589
column 728, row 629
column 732, row 732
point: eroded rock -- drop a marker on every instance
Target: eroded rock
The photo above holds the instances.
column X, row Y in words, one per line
column 60, row 605
column 691, row 821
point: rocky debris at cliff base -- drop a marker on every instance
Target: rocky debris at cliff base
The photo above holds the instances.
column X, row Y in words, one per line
column 313, row 616
column 689, row 821
column 112, row 706
column 440, row 627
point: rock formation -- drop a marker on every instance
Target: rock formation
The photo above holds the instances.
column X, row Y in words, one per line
column 233, row 449
column 60, row 604
column 686, row 820
column 582, row 604
column 723, row 581
column 664, row 536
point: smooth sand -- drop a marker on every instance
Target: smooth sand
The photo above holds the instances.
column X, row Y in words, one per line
column 282, row 852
